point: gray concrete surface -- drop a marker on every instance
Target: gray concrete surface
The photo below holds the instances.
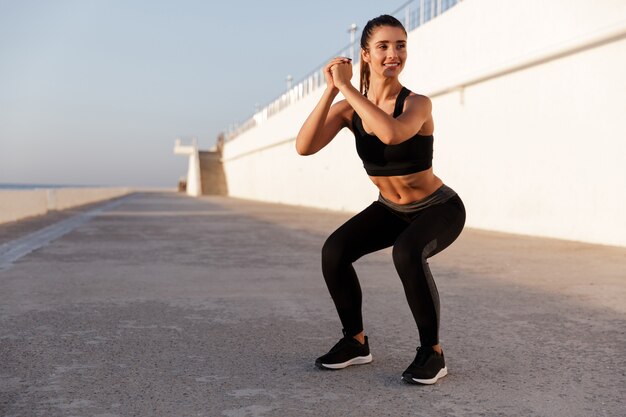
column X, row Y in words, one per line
column 172, row 306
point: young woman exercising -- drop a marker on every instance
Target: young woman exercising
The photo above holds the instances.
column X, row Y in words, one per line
column 415, row 213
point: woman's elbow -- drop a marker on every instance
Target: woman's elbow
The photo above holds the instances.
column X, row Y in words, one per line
column 302, row 150
column 392, row 136
column 388, row 138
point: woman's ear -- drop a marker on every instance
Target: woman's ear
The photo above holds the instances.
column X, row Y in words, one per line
column 365, row 56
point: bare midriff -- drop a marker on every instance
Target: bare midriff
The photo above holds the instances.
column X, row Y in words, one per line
column 405, row 189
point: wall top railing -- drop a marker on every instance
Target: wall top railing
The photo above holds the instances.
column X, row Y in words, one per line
column 412, row 14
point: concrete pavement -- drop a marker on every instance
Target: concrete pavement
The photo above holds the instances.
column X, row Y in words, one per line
column 164, row 305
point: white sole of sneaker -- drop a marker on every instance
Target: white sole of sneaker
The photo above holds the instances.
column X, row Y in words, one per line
column 442, row 372
column 359, row 360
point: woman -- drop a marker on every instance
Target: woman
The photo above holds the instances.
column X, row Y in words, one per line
column 415, row 213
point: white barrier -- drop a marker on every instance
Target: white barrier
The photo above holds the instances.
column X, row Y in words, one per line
column 20, row 204
column 528, row 99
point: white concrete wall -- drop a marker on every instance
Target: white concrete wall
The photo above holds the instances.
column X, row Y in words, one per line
column 20, row 204
column 529, row 100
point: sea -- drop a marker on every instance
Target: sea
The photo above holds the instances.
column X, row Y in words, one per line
column 9, row 186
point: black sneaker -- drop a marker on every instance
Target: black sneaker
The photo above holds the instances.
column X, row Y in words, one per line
column 427, row 367
column 348, row 351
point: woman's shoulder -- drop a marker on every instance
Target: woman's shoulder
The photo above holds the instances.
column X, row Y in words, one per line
column 416, row 100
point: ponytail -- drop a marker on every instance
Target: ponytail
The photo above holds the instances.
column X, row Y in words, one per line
column 364, row 83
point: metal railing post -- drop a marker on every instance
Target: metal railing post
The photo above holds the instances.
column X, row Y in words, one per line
column 352, row 32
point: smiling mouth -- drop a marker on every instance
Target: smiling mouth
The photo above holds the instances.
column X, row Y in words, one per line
column 394, row 64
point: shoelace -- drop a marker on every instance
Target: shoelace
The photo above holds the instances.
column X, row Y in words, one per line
column 422, row 356
column 344, row 341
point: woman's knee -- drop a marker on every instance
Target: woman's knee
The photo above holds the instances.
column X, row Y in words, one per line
column 402, row 257
column 333, row 252
column 409, row 256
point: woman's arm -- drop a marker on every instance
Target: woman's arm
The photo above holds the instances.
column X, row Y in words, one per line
column 388, row 129
column 325, row 121
column 322, row 125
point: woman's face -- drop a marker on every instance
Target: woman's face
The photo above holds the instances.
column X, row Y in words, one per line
column 386, row 52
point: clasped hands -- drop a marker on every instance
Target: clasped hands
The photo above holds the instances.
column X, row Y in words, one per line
column 338, row 72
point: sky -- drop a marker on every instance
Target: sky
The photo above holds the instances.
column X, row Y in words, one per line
column 95, row 92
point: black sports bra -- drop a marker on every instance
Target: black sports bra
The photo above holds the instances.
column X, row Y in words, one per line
column 381, row 160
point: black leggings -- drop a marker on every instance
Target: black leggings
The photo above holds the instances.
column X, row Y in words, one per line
column 415, row 237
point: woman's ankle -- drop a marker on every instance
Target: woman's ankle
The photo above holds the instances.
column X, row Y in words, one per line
column 360, row 337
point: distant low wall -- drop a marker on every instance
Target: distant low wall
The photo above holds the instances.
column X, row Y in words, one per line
column 20, row 204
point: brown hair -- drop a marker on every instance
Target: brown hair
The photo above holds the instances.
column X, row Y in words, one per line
column 368, row 30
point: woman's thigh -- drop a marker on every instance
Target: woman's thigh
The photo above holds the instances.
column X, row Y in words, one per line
column 434, row 229
column 372, row 229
